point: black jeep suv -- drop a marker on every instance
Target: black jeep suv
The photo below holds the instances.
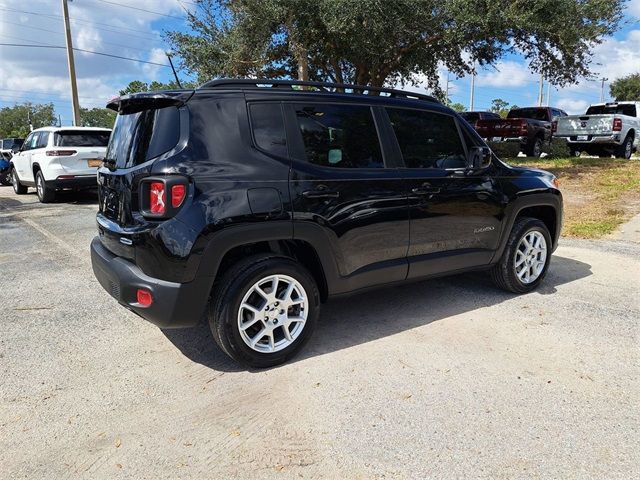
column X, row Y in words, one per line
column 251, row 202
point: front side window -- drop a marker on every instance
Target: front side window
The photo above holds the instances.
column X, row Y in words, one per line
column 427, row 139
column 341, row 136
column 268, row 128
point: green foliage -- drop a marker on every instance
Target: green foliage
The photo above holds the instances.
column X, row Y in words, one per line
column 626, row 88
column 372, row 42
column 97, row 117
column 137, row 86
column 501, row 107
column 458, row 107
column 14, row 121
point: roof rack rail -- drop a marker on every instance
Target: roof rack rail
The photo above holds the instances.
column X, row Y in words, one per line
column 256, row 83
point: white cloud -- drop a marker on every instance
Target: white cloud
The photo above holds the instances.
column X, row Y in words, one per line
column 506, row 74
column 633, row 8
column 572, row 106
column 40, row 74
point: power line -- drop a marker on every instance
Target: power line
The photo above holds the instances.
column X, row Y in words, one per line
column 141, row 9
column 87, row 51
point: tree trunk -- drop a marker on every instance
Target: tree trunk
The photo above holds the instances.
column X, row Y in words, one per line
column 302, row 59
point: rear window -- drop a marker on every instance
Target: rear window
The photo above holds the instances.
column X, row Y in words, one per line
column 9, row 143
column 470, row 116
column 141, row 136
column 77, row 138
column 533, row 113
column 629, row 110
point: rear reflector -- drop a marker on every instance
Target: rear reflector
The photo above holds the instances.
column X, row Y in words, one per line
column 144, row 297
column 617, row 124
column 60, row 153
column 178, row 193
column 157, row 198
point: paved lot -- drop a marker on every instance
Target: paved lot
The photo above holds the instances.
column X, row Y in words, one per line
column 447, row 378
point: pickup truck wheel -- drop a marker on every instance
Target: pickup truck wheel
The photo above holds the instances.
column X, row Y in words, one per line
column 5, row 178
column 45, row 194
column 626, row 149
column 264, row 310
column 17, row 186
column 574, row 152
column 534, row 149
column 526, row 257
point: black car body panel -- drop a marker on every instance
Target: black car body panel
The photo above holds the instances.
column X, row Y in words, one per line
column 355, row 228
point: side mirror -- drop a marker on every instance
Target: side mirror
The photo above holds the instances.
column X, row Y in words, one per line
column 479, row 157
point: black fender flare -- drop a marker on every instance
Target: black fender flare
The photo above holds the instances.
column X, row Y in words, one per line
column 548, row 198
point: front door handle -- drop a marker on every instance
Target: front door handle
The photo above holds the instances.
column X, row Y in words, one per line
column 320, row 193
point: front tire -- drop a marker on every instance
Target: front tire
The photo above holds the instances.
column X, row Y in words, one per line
column 17, row 186
column 264, row 310
column 526, row 257
column 45, row 194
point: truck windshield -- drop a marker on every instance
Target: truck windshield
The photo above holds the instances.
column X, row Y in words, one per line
column 533, row 113
column 628, row 109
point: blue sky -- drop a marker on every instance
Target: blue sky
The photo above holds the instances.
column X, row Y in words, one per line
column 134, row 30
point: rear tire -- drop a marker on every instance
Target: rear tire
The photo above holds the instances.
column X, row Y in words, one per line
column 534, row 149
column 45, row 194
column 574, row 152
column 524, row 262
column 239, row 315
column 626, row 149
column 17, row 186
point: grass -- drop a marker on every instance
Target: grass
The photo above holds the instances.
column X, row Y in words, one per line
column 599, row 193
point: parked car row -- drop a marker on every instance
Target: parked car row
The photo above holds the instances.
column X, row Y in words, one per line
column 58, row 158
column 605, row 129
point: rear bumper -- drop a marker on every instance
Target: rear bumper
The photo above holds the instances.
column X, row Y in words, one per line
column 522, row 140
column 591, row 139
column 175, row 305
column 73, row 181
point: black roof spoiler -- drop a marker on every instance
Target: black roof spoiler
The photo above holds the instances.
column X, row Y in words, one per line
column 136, row 102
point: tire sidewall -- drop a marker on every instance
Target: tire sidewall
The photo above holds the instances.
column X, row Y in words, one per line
column 15, row 182
column 532, row 225
column 229, row 332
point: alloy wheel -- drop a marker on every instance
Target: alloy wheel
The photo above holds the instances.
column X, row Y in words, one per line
column 531, row 257
column 273, row 313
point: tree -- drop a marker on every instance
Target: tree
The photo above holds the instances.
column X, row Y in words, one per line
column 97, row 117
column 372, row 42
column 626, row 88
column 458, row 107
column 501, row 107
column 137, row 86
column 14, row 121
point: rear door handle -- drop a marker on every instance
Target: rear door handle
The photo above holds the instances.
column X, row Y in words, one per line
column 320, row 193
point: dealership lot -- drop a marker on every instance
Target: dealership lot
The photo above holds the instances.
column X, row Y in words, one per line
column 442, row 378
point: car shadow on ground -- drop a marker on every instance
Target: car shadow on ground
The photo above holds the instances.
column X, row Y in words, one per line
column 350, row 321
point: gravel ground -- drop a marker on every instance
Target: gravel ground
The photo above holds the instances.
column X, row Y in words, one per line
column 446, row 378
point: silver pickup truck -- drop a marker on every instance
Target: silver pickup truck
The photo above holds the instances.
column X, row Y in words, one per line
column 606, row 129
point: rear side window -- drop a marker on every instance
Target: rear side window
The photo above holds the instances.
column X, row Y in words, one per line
column 43, row 140
column 78, row 138
column 341, row 136
column 141, row 136
column 427, row 139
column 268, row 128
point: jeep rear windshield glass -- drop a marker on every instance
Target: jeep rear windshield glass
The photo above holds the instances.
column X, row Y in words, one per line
column 77, row 138
column 533, row 113
column 141, row 136
column 628, row 109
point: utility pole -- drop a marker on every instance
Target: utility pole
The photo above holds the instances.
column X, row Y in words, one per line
column 72, row 66
column 447, row 89
column 473, row 82
column 548, row 93
column 540, row 94
column 602, row 89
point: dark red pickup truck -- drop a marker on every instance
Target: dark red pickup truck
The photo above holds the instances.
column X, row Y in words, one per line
column 532, row 127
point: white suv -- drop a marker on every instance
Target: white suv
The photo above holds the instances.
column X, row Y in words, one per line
column 55, row 158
